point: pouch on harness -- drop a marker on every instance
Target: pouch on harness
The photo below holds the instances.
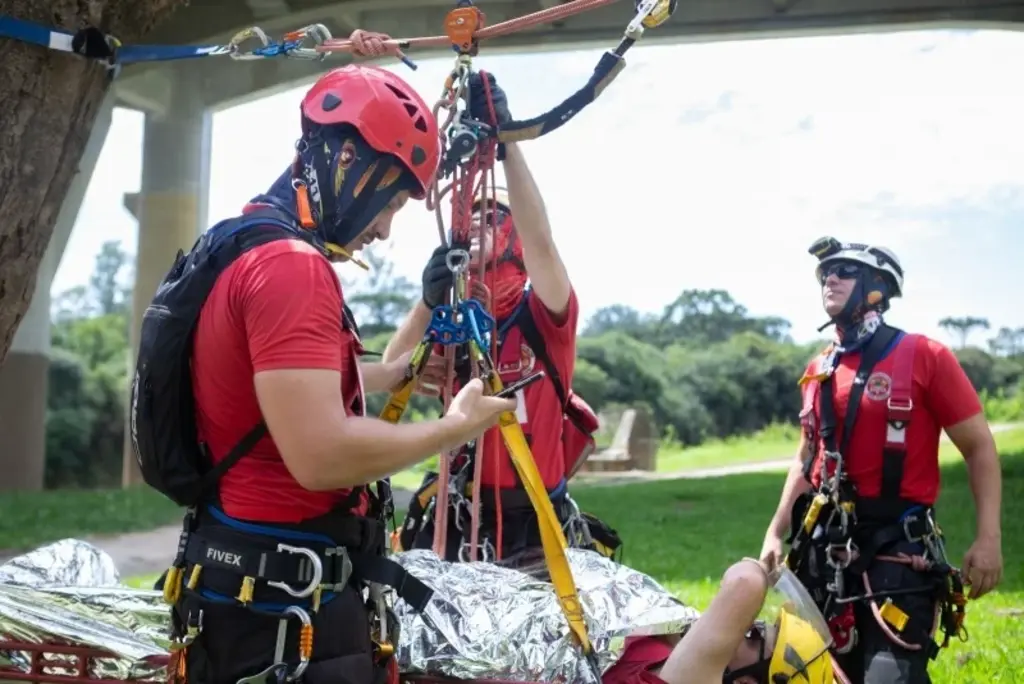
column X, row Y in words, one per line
column 837, row 534
column 295, row 567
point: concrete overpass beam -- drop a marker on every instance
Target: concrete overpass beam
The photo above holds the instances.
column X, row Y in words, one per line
column 25, row 373
column 171, row 206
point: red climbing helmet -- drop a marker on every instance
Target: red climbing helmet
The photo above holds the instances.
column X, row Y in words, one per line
column 386, row 111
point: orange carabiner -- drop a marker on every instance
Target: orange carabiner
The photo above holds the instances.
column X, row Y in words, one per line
column 461, row 25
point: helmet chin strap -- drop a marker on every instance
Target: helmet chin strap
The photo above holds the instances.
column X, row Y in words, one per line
column 861, row 316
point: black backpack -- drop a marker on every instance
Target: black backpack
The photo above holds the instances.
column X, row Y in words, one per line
column 162, row 419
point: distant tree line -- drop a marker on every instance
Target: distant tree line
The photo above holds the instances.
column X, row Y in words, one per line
column 704, row 367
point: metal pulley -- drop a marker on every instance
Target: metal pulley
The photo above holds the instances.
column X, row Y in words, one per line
column 462, row 144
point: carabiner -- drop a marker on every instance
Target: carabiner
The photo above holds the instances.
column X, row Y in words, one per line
column 457, row 261
column 253, row 32
column 305, row 641
column 314, row 582
column 318, row 34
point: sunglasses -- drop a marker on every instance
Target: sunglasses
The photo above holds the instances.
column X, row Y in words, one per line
column 844, row 270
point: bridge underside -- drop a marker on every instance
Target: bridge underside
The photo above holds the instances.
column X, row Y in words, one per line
column 695, row 20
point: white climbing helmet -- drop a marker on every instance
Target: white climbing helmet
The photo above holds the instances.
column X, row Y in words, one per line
column 497, row 195
column 829, row 249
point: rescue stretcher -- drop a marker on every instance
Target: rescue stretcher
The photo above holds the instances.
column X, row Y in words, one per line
column 65, row 617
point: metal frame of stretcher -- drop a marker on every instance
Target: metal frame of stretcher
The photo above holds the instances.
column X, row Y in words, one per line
column 52, row 663
column 48, row 663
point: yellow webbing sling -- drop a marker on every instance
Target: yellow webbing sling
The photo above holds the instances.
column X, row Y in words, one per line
column 552, row 538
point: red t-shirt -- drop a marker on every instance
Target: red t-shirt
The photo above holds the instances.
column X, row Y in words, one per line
column 942, row 396
column 278, row 306
column 641, row 656
column 539, row 410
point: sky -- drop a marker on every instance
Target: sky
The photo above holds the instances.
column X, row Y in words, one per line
column 712, row 165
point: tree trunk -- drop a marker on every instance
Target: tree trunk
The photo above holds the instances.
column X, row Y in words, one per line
column 48, row 104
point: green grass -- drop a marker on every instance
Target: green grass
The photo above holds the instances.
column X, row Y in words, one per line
column 686, row 532
column 30, row 519
column 142, row 581
column 771, row 444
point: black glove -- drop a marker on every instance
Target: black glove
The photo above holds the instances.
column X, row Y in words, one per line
column 478, row 108
column 437, row 278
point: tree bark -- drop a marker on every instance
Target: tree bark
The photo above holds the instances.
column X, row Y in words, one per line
column 48, row 104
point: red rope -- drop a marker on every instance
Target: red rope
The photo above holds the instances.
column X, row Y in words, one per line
column 495, row 451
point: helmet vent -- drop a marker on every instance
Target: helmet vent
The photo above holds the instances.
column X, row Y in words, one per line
column 398, row 93
column 420, row 124
column 330, row 102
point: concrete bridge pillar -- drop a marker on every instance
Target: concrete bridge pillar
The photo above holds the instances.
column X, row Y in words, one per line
column 171, row 206
column 24, row 373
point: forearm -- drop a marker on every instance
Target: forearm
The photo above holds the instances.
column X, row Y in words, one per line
column 985, row 478
column 711, row 642
column 376, row 377
column 527, row 204
column 795, row 485
column 409, row 333
column 363, row 450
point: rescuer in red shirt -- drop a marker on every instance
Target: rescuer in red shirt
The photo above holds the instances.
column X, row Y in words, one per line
column 536, row 314
column 859, row 499
column 294, row 533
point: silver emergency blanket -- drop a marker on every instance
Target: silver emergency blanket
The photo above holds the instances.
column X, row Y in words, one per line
column 69, row 593
column 489, row 622
column 483, row 621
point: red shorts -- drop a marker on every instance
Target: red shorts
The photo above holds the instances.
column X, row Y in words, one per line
column 641, row 656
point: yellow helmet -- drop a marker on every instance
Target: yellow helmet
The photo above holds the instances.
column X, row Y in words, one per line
column 800, row 654
column 498, row 196
column 801, row 646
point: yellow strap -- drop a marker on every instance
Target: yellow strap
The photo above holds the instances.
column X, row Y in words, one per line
column 399, row 398
column 398, row 401
column 551, row 537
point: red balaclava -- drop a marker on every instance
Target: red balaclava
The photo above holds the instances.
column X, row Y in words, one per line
column 505, row 277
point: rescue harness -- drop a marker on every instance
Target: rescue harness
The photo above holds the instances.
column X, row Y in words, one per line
column 836, row 534
column 582, row 530
column 288, row 571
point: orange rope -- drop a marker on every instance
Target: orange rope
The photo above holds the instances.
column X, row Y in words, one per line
column 369, row 44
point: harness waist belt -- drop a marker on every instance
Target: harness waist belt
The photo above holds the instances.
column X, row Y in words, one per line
column 513, row 498
column 270, row 560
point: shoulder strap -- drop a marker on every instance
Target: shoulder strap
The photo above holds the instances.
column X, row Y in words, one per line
column 898, row 407
column 873, row 352
column 268, row 216
column 532, row 335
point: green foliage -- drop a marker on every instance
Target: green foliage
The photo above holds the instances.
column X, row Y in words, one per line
column 88, row 378
column 704, row 367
